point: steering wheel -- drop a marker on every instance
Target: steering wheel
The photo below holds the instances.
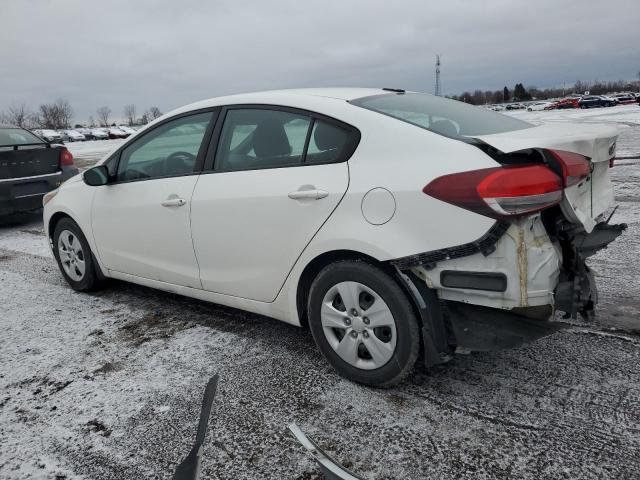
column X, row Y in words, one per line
column 179, row 162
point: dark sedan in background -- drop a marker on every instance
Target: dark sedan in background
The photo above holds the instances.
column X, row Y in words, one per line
column 596, row 101
column 29, row 168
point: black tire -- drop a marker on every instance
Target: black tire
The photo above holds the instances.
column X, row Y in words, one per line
column 407, row 339
column 91, row 279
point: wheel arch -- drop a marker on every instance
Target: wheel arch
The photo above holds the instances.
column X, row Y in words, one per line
column 51, row 226
column 54, row 220
column 313, row 268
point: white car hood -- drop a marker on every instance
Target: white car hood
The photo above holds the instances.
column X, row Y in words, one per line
column 590, row 140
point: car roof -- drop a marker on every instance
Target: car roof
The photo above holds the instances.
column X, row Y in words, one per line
column 277, row 96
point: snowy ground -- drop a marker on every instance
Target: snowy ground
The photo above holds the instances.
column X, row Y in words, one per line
column 108, row 385
column 88, row 153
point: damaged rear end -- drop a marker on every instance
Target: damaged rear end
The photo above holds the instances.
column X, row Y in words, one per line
column 551, row 198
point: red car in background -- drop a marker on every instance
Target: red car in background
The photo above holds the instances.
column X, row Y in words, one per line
column 565, row 103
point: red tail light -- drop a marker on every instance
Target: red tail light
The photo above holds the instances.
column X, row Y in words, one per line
column 66, row 159
column 575, row 168
column 500, row 192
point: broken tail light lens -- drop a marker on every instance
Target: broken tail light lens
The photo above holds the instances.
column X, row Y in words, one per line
column 501, row 192
column 66, row 158
column 575, row 167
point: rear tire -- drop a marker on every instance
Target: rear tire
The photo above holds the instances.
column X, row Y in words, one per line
column 371, row 336
column 74, row 256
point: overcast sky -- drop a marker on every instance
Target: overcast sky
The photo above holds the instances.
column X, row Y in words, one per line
column 168, row 53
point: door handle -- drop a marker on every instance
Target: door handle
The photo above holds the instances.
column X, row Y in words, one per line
column 173, row 202
column 308, row 194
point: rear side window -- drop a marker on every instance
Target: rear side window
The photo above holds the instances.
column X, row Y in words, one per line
column 261, row 138
column 254, row 138
column 327, row 143
column 441, row 115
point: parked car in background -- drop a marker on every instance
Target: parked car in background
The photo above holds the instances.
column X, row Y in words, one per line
column 539, row 106
column 592, row 101
column 29, row 168
column 50, row 136
column 317, row 207
column 115, row 132
column 127, row 130
column 86, row 132
column 566, row 103
column 99, row 134
column 624, row 98
column 73, row 136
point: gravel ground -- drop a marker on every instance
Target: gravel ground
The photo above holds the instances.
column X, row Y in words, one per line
column 108, row 385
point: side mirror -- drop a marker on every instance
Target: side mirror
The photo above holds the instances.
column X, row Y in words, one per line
column 96, row 176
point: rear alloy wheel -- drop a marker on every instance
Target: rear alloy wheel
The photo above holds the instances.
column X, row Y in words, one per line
column 363, row 323
column 74, row 257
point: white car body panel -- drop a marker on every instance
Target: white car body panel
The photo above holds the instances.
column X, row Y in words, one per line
column 220, row 249
column 247, row 232
column 150, row 241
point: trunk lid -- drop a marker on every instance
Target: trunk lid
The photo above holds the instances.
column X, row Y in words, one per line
column 589, row 199
column 28, row 161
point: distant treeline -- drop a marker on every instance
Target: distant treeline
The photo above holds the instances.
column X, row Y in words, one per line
column 520, row 93
column 59, row 115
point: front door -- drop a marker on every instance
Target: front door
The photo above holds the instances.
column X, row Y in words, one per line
column 141, row 220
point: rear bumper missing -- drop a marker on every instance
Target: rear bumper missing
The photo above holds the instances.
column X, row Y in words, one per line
column 503, row 294
column 514, row 266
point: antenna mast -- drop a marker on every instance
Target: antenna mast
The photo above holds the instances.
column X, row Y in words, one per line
column 438, row 75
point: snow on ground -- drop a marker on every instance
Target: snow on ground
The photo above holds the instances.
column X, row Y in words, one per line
column 88, row 153
column 108, row 385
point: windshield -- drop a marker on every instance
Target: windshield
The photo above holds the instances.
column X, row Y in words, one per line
column 17, row 136
column 441, row 115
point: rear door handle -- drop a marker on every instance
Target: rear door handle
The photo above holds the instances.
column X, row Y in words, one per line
column 173, row 202
column 308, row 194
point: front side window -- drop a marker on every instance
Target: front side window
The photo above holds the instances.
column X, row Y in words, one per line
column 441, row 115
column 256, row 138
column 169, row 150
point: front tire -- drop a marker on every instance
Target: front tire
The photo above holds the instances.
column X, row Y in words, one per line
column 74, row 257
column 363, row 323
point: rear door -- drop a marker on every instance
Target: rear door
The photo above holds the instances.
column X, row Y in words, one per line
column 275, row 177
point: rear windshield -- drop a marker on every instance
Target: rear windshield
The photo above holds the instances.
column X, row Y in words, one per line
column 17, row 136
column 441, row 115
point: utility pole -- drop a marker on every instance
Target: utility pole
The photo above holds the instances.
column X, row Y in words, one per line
column 438, row 93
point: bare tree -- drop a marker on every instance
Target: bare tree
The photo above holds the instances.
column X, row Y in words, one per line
column 19, row 115
column 154, row 112
column 130, row 114
column 103, row 116
column 65, row 112
column 92, row 122
column 55, row 115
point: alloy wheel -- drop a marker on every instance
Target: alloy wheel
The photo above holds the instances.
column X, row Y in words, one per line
column 71, row 255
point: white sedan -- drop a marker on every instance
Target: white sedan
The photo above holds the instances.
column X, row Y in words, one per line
column 393, row 224
column 73, row 136
column 535, row 107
